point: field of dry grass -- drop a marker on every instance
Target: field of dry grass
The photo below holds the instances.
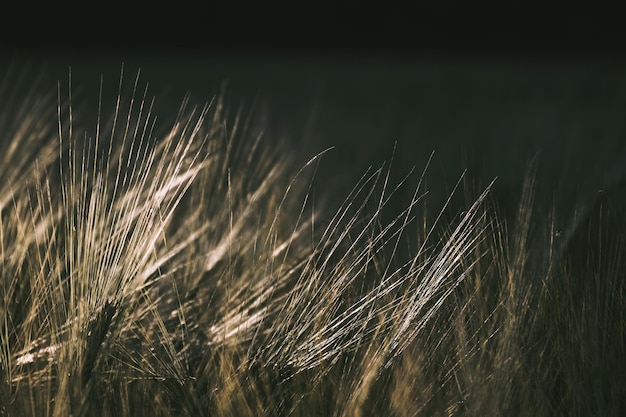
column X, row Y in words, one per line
column 189, row 263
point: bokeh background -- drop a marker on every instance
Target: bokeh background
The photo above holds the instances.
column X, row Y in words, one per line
column 487, row 88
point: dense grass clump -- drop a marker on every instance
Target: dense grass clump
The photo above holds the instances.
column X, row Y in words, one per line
column 190, row 266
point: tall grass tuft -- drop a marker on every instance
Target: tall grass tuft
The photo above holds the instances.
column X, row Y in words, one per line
column 191, row 266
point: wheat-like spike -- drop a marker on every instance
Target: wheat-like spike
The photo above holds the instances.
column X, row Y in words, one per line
column 189, row 266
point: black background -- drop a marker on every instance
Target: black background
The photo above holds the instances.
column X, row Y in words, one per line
column 486, row 85
column 529, row 28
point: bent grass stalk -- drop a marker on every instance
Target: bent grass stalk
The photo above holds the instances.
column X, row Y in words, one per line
column 186, row 269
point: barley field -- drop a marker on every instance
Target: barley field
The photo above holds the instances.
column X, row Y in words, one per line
column 309, row 237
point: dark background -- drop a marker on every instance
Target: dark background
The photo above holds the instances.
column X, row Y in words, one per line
column 323, row 27
column 486, row 86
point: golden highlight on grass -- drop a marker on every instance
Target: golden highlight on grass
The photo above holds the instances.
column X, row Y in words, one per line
column 185, row 268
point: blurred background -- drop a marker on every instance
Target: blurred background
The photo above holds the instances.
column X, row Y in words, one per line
column 487, row 88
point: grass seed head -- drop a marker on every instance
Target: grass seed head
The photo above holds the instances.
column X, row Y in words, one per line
column 184, row 266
